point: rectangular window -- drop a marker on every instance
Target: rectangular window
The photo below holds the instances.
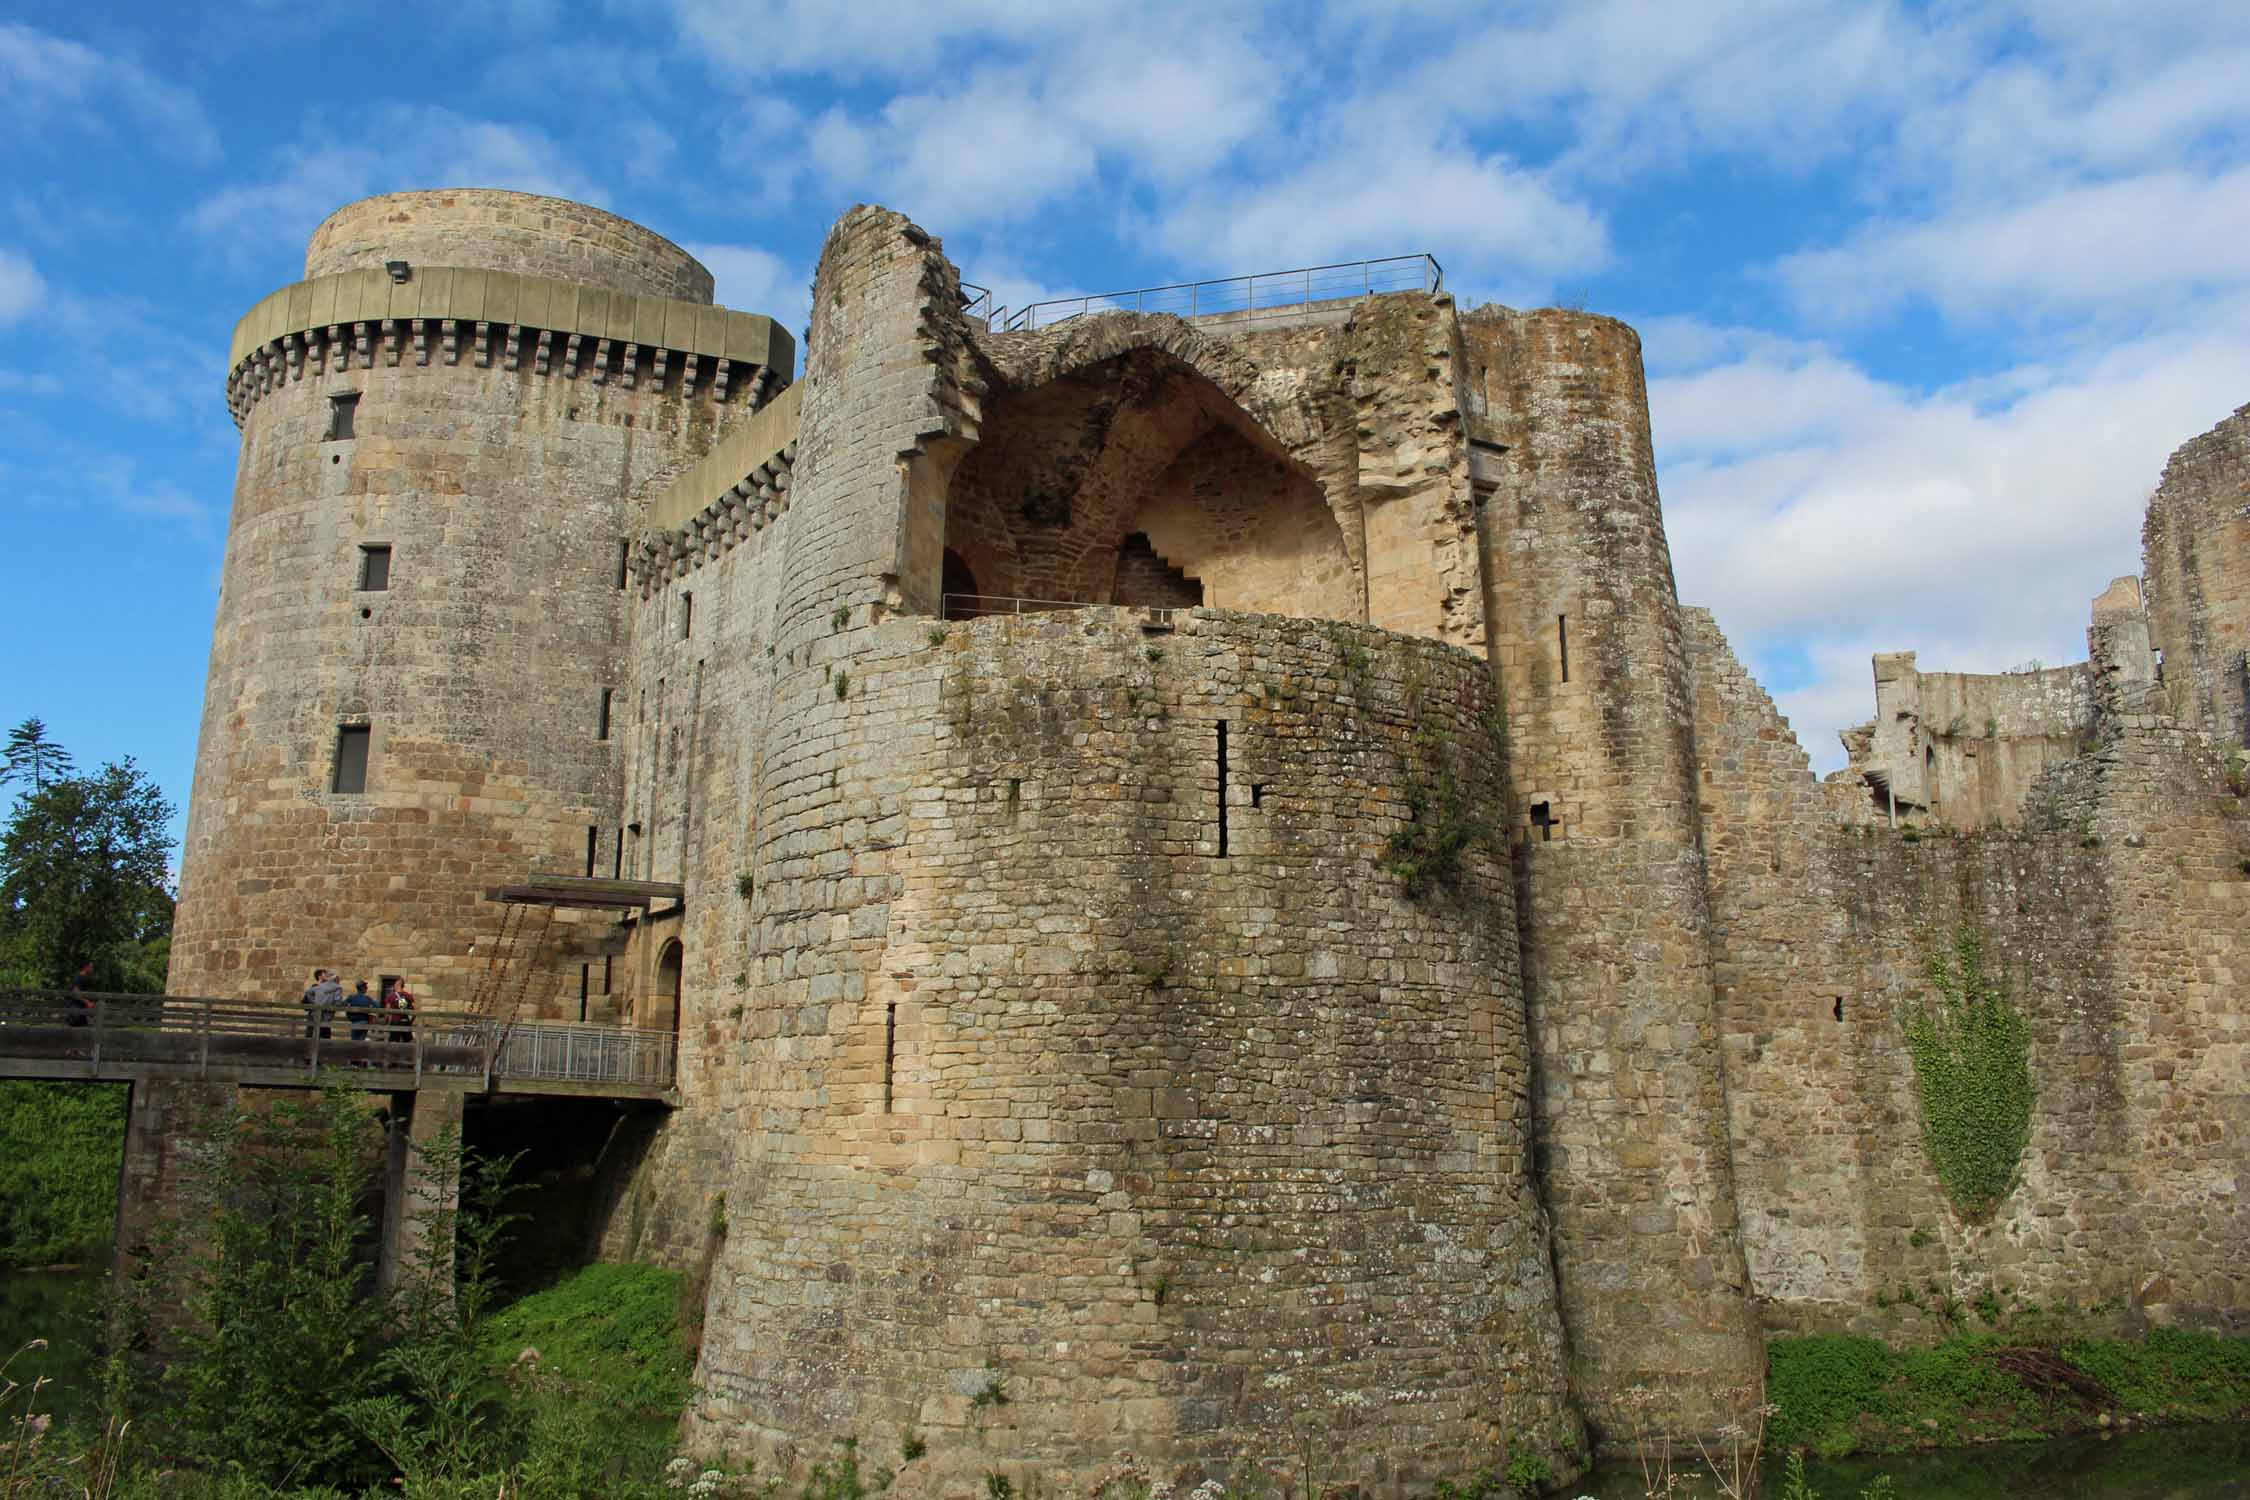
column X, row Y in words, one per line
column 351, row 759
column 687, row 615
column 1562, row 643
column 1222, row 789
column 374, row 569
column 593, row 847
column 603, row 732
column 624, row 561
column 343, row 410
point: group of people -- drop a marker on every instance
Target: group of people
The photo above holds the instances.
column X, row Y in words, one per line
column 325, row 996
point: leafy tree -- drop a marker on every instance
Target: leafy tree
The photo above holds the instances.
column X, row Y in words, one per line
column 31, row 756
column 83, row 875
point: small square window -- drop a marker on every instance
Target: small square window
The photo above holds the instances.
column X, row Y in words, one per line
column 351, row 759
column 374, row 569
column 342, row 410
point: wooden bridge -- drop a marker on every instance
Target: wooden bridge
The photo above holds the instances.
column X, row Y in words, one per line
column 132, row 1038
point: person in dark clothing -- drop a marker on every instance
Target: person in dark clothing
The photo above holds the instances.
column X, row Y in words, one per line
column 78, row 1005
column 360, row 1004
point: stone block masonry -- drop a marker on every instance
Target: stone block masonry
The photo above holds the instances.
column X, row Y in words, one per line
column 1065, row 1065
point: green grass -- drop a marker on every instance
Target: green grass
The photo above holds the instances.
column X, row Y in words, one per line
column 606, row 1329
column 1841, row 1395
column 60, row 1146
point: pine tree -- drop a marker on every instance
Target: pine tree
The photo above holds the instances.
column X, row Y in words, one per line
column 31, row 757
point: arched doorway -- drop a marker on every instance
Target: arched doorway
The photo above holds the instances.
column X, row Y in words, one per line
column 664, row 1001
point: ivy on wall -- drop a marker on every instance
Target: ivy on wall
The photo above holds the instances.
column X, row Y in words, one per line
column 1972, row 1061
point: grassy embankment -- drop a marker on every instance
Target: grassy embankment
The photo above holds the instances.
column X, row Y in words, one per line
column 1841, row 1395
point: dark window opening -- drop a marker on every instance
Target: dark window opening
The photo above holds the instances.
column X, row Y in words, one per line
column 593, row 843
column 1543, row 819
column 374, row 569
column 608, row 974
column 1222, row 789
column 351, row 759
column 602, row 733
column 585, row 988
column 687, row 615
column 1562, row 643
column 1839, row 1007
column 384, row 982
column 624, row 560
column 616, row 872
column 1257, row 794
column 343, row 414
column 890, row 1052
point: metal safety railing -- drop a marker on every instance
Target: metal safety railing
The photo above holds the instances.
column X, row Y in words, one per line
column 979, row 606
column 117, row 1035
column 1265, row 291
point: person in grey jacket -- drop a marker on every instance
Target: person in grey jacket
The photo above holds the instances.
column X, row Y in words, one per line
column 322, row 998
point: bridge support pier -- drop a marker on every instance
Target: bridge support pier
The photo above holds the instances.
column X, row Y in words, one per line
column 418, row 1203
column 168, row 1126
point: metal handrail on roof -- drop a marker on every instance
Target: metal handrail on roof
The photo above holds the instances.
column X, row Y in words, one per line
column 1262, row 291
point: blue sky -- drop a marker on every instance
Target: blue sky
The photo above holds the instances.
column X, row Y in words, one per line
column 1928, row 292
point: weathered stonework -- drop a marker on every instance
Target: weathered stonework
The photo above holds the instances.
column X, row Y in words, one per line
column 1057, row 1018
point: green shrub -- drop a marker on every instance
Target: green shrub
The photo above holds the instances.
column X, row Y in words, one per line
column 611, row 1329
column 1820, row 1385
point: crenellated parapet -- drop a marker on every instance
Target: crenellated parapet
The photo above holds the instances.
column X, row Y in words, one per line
column 357, row 319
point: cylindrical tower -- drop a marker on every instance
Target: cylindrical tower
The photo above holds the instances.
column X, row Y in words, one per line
column 1586, row 639
column 446, row 429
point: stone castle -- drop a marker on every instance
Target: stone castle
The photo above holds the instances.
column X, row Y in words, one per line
column 1373, row 951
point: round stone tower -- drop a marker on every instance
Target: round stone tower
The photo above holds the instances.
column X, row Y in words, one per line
column 447, row 431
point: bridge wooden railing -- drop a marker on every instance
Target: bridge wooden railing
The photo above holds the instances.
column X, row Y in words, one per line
column 120, row 1035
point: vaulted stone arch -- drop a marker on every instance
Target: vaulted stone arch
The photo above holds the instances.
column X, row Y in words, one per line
column 1136, row 427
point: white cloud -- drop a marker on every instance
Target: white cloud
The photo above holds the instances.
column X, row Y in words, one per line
column 2135, row 244
column 1827, row 514
column 399, row 147
column 21, row 286
column 47, row 80
column 752, row 280
column 1493, row 222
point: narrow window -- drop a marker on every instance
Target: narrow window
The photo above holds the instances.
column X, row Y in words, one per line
column 374, row 569
column 1222, row 789
column 1839, row 1007
column 1257, row 794
column 593, row 843
column 635, row 830
column 1562, row 643
column 351, row 759
column 608, row 975
column 602, row 733
column 585, row 988
column 1543, row 819
column 624, row 561
column 343, row 411
column 687, row 614
column 890, row 1052
column 616, row 872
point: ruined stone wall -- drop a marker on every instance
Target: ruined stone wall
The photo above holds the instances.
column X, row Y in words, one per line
column 505, row 496
column 1603, row 814
column 505, row 231
column 1363, row 404
column 2111, row 934
column 1083, row 1062
column 1963, row 748
column 2195, row 550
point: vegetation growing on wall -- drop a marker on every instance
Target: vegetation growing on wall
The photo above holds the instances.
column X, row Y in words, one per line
column 1972, row 1064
